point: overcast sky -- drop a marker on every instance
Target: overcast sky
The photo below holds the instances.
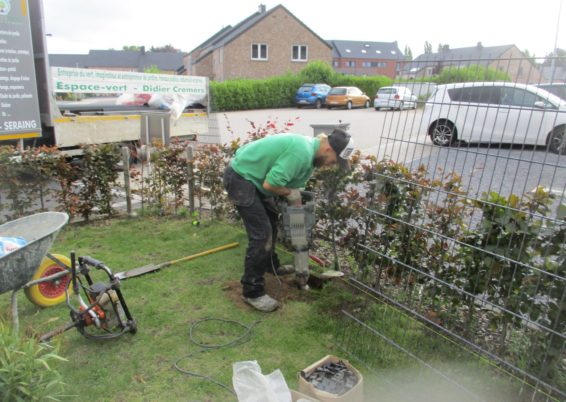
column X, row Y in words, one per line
column 77, row 26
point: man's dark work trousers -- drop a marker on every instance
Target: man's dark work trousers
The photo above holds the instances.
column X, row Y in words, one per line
column 260, row 216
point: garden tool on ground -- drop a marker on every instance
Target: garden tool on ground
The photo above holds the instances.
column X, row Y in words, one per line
column 297, row 230
column 102, row 313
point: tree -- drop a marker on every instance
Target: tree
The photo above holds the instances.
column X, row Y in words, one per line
column 164, row 49
column 559, row 57
column 153, row 69
column 443, row 48
column 530, row 56
column 427, row 47
column 408, row 53
column 132, row 48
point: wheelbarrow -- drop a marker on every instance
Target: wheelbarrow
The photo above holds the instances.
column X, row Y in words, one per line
column 44, row 278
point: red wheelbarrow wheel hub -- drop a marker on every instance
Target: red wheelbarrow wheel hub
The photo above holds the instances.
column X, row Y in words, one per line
column 54, row 288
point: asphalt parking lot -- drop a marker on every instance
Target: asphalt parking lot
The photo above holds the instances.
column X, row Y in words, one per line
column 401, row 136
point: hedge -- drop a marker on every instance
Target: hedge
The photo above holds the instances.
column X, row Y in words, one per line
column 279, row 92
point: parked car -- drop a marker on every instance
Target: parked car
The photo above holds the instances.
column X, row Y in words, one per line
column 558, row 89
column 311, row 95
column 394, row 98
column 348, row 97
column 496, row 112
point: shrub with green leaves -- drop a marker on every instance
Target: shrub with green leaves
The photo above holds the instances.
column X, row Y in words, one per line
column 28, row 369
column 471, row 73
column 277, row 92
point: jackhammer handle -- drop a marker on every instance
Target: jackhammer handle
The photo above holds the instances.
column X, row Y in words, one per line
column 308, row 195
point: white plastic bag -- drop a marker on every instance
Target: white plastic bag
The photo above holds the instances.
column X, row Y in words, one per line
column 9, row 244
column 252, row 386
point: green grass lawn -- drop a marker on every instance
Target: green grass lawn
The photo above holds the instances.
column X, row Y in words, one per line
column 164, row 304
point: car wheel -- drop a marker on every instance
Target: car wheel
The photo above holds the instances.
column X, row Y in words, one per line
column 328, row 107
column 557, row 141
column 442, row 133
column 299, row 106
column 366, row 105
column 318, row 104
column 349, row 105
column 377, row 109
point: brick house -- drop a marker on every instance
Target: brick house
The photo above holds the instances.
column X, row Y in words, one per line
column 265, row 44
column 507, row 58
column 367, row 58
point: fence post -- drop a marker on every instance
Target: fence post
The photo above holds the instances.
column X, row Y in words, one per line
column 126, row 164
column 191, row 179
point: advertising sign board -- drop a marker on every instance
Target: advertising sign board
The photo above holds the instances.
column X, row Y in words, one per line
column 19, row 106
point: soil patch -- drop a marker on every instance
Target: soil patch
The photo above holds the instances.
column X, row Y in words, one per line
column 281, row 288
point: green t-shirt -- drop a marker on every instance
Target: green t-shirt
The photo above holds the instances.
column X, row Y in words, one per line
column 283, row 160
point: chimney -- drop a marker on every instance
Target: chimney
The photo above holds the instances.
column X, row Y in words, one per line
column 479, row 45
column 261, row 8
column 142, row 49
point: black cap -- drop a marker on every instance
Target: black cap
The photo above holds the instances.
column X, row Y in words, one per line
column 342, row 143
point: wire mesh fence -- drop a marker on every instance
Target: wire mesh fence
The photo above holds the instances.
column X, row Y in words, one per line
column 466, row 229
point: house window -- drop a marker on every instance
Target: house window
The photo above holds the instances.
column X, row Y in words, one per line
column 335, row 63
column 350, row 63
column 259, row 51
column 378, row 64
column 299, row 53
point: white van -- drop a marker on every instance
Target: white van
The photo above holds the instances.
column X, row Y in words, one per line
column 496, row 112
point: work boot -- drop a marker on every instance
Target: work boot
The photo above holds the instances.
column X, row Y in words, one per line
column 263, row 303
column 285, row 269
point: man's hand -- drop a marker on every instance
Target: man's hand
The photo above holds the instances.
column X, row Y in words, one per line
column 294, row 197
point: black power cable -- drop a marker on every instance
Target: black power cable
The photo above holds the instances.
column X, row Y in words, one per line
column 245, row 337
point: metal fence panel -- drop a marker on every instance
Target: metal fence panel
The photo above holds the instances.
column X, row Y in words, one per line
column 467, row 228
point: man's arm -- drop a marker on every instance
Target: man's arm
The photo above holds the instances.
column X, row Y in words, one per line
column 283, row 191
column 293, row 195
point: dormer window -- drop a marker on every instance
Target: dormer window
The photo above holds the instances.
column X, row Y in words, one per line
column 378, row 51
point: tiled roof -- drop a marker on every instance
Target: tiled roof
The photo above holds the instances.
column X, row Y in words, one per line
column 366, row 50
column 137, row 60
column 229, row 33
column 478, row 54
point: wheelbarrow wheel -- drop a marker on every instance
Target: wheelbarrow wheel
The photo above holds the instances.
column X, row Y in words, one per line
column 51, row 293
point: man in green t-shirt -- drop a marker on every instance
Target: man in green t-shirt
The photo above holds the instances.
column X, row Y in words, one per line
column 277, row 165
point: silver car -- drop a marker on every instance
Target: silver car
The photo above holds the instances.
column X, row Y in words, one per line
column 394, row 98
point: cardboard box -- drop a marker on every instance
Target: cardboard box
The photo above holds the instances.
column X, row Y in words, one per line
column 355, row 394
column 296, row 396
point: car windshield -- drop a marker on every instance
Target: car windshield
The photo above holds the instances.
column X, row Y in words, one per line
column 551, row 97
column 387, row 91
column 338, row 91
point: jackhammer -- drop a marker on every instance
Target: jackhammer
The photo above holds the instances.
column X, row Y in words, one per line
column 297, row 230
